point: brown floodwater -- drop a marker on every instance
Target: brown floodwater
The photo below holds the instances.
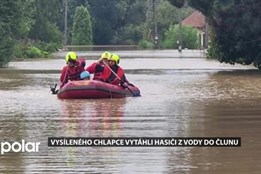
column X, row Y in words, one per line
column 181, row 97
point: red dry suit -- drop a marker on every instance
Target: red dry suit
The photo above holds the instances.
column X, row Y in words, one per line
column 96, row 69
column 70, row 73
column 111, row 78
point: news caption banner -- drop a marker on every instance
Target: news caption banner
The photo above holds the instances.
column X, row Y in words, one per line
column 30, row 147
column 144, row 141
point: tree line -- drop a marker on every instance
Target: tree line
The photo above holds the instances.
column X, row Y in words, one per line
column 35, row 28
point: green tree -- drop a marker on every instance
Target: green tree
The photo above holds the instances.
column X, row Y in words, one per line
column 48, row 17
column 25, row 20
column 190, row 37
column 177, row 3
column 113, row 19
column 166, row 15
column 72, row 5
column 105, row 15
column 10, row 26
column 129, row 28
column 82, row 27
column 236, row 29
column 126, row 21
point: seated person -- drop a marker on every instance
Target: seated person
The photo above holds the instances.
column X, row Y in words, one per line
column 72, row 70
column 85, row 75
column 113, row 73
column 98, row 67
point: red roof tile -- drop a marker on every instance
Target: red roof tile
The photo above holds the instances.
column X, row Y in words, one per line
column 196, row 19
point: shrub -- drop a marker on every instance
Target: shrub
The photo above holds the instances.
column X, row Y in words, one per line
column 190, row 38
column 146, row 44
column 48, row 47
column 33, row 52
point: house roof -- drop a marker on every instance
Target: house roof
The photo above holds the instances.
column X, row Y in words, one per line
column 196, row 19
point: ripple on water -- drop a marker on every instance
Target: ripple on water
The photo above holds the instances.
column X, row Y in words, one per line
column 180, row 98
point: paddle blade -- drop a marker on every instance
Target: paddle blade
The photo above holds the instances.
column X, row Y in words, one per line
column 53, row 89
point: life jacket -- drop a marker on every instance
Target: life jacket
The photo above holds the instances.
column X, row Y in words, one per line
column 71, row 73
column 112, row 79
column 82, row 62
column 97, row 70
column 74, row 73
column 112, row 75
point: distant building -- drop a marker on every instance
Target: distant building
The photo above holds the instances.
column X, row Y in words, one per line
column 198, row 20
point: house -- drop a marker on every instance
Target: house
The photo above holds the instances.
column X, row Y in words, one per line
column 198, row 20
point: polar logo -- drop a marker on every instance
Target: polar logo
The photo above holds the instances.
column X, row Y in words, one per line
column 19, row 147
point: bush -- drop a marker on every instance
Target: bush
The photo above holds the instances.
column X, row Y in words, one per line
column 19, row 50
column 190, row 38
column 128, row 35
column 33, row 52
column 34, row 49
column 146, row 44
column 48, row 47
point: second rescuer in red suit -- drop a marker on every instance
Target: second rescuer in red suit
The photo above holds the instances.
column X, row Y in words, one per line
column 109, row 76
column 97, row 68
column 73, row 68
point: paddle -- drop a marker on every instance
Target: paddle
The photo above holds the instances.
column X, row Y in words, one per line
column 64, row 81
column 53, row 89
column 119, row 78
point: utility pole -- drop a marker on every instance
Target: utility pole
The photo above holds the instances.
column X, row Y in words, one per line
column 155, row 25
column 65, row 21
column 180, row 32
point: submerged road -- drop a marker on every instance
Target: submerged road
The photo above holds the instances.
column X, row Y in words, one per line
column 181, row 97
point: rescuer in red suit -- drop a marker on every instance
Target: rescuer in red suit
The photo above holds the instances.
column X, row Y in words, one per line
column 97, row 68
column 117, row 77
column 74, row 67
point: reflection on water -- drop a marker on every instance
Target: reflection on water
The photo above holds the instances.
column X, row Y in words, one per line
column 182, row 101
column 87, row 113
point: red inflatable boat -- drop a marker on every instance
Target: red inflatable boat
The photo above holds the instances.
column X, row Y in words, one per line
column 91, row 89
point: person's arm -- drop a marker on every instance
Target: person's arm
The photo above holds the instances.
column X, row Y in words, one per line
column 91, row 68
column 105, row 74
column 63, row 75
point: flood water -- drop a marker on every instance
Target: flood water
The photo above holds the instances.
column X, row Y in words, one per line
column 181, row 97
